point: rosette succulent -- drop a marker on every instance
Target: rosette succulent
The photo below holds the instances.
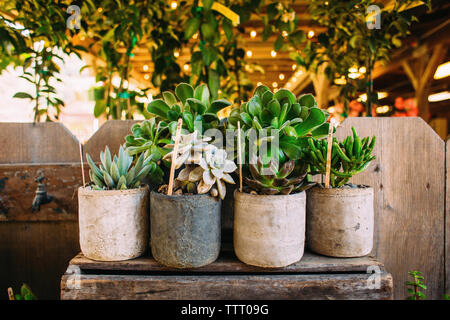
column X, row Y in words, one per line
column 207, row 168
column 118, row 173
column 194, row 106
column 271, row 180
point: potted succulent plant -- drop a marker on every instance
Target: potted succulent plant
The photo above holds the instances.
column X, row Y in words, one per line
column 113, row 208
column 185, row 226
column 269, row 215
column 340, row 219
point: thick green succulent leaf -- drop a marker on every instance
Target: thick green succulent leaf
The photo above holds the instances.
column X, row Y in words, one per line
column 115, row 174
column 266, row 98
column 274, row 107
column 188, row 119
column 172, row 115
column 130, row 176
column 307, row 100
column 201, row 93
column 282, row 94
column 290, row 147
column 122, row 183
column 260, row 90
column 218, row 105
column 159, row 107
column 93, row 167
column 184, row 91
column 169, row 98
column 254, row 106
column 245, row 117
column 322, row 131
column 196, row 105
column 315, row 119
column 108, row 180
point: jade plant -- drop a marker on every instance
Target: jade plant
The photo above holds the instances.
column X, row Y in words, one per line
column 206, row 167
column 293, row 120
column 118, row 173
column 25, row 293
column 194, row 106
column 415, row 286
column 349, row 157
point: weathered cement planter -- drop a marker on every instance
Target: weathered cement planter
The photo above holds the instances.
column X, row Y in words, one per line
column 339, row 221
column 185, row 229
column 269, row 230
column 113, row 223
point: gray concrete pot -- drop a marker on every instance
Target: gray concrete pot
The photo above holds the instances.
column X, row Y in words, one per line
column 339, row 222
column 185, row 229
column 113, row 223
column 269, row 230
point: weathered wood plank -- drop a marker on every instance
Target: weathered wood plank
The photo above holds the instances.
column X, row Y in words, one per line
column 447, row 218
column 228, row 263
column 36, row 253
column 18, row 189
column 112, row 134
column 204, row 287
column 409, row 185
column 46, row 142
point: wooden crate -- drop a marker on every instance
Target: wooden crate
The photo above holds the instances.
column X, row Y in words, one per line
column 314, row 277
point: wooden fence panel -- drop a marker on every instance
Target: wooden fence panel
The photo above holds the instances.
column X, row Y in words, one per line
column 46, row 142
column 409, row 184
column 112, row 134
column 447, row 217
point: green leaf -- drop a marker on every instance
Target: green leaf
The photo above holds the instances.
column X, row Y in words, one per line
column 196, row 105
column 22, row 95
column 321, row 131
column 227, row 28
column 213, row 82
column 188, row 118
column 99, row 108
column 201, row 93
column 169, row 98
column 245, row 117
column 191, row 27
column 315, row 119
column 285, row 94
column 218, row 105
column 278, row 43
column 290, row 147
column 260, row 90
column 274, row 107
column 207, row 4
column 184, row 91
column 307, row 100
column 254, row 106
column 159, row 108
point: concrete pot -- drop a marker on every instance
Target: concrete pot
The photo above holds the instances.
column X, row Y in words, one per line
column 113, row 223
column 185, row 229
column 269, row 230
column 339, row 222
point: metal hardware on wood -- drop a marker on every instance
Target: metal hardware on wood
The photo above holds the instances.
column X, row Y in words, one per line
column 41, row 195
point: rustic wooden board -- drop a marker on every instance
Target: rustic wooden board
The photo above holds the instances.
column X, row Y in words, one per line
column 46, row 142
column 409, row 184
column 447, row 218
column 36, row 253
column 18, row 189
column 112, row 134
column 209, row 287
column 228, row 263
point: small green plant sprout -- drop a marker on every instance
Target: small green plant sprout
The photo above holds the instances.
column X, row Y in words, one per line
column 206, row 167
column 118, row 173
column 284, row 180
column 25, row 293
column 415, row 286
column 348, row 158
column 194, row 106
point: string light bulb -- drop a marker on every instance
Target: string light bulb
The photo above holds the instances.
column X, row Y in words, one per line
column 145, row 67
column 174, row 5
column 273, row 53
column 249, row 53
column 253, row 34
column 311, row 34
column 281, row 76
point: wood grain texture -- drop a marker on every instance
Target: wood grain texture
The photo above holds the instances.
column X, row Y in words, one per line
column 228, row 263
column 112, row 134
column 447, row 217
column 207, row 287
column 36, row 253
column 46, row 142
column 409, row 184
column 18, row 189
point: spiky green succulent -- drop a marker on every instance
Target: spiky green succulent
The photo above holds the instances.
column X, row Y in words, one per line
column 119, row 173
column 194, row 106
column 268, row 179
column 349, row 157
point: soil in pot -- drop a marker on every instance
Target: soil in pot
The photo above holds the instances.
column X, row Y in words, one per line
column 185, row 229
column 340, row 221
column 269, row 230
column 113, row 223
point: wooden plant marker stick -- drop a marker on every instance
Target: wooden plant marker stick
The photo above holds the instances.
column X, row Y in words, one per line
column 82, row 167
column 239, row 156
column 330, row 145
column 11, row 294
column 174, row 157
